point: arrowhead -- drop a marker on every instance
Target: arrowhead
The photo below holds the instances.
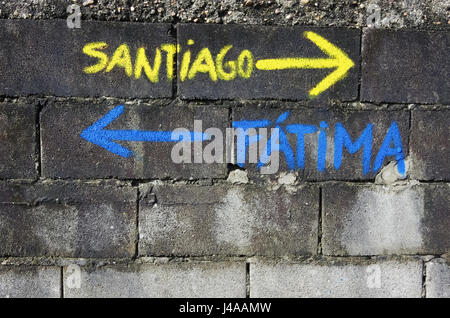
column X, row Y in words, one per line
column 343, row 62
column 97, row 135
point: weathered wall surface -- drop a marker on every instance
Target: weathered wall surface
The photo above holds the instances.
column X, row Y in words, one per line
column 89, row 216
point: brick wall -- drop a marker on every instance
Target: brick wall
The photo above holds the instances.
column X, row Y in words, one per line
column 78, row 220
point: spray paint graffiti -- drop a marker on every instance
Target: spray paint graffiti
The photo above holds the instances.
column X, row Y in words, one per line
column 219, row 68
column 249, row 132
column 98, row 135
column 341, row 139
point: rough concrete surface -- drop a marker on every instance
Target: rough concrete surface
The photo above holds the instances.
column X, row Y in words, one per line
column 376, row 220
column 237, row 220
column 405, row 66
column 380, row 279
column 438, row 279
column 183, row 280
column 17, row 127
column 30, row 282
column 57, row 219
column 430, row 149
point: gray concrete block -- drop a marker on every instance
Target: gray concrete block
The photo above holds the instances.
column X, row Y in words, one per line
column 47, row 58
column 341, row 279
column 182, row 280
column 65, row 154
column 438, row 279
column 30, row 282
column 17, row 139
column 374, row 220
column 265, row 43
column 67, row 220
column 223, row 220
column 429, row 145
column 405, row 66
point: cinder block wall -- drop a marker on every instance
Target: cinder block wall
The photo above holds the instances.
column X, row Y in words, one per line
column 77, row 221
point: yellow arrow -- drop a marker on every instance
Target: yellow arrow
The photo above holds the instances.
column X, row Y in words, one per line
column 337, row 59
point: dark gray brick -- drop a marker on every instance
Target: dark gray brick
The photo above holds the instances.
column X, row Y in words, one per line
column 68, row 220
column 266, row 43
column 354, row 123
column 30, row 282
column 17, row 139
column 66, row 155
column 190, row 280
column 374, row 220
column 430, row 145
column 405, row 66
column 46, row 57
column 223, row 220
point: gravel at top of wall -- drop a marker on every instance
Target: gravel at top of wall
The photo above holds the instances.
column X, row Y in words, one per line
column 393, row 14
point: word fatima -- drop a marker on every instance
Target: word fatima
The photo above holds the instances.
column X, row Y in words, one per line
column 252, row 135
column 341, row 139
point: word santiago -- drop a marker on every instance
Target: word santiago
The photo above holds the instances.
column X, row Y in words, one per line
column 219, row 68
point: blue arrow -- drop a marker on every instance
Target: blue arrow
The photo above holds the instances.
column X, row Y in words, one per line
column 98, row 135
